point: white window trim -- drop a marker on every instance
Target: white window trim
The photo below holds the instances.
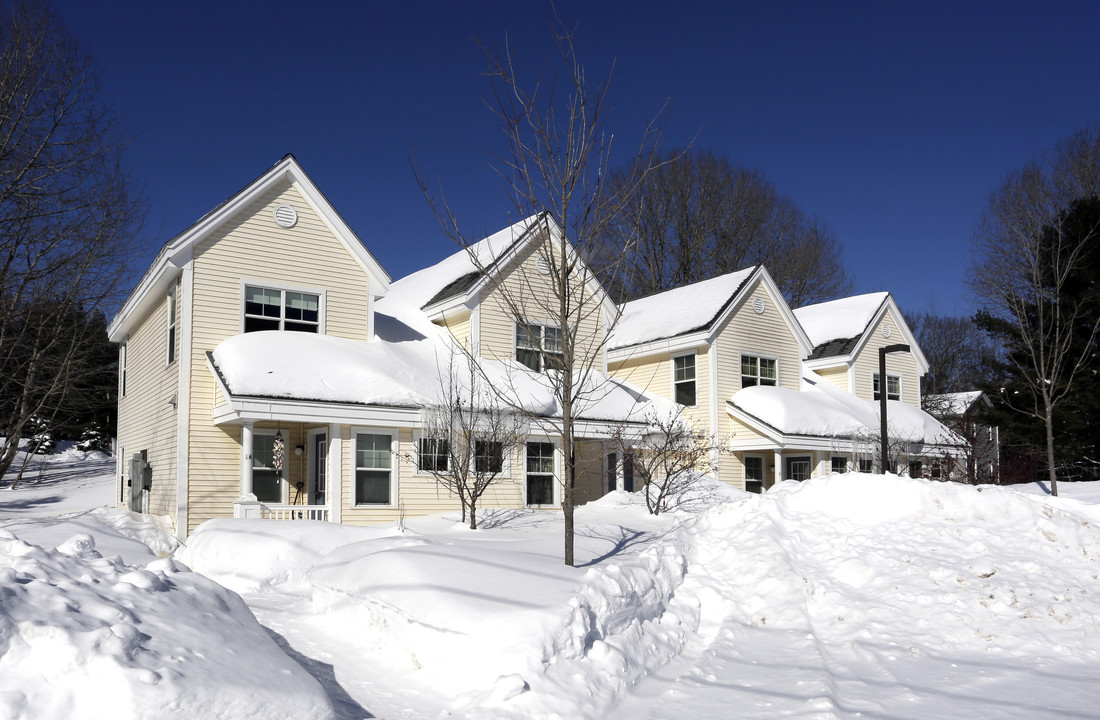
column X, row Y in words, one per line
column 122, row 367
column 395, row 465
column 555, row 481
column 285, row 488
column 901, row 388
column 759, row 356
column 172, row 326
column 531, row 324
column 847, row 462
column 322, row 300
column 506, row 460
column 672, row 375
column 419, row 435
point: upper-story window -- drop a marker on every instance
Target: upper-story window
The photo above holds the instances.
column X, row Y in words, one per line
column 756, row 370
column 171, row 325
column 539, row 347
column 893, row 386
column 276, row 309
column 683, row 379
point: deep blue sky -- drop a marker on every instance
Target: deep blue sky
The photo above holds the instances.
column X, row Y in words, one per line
column 892, row 122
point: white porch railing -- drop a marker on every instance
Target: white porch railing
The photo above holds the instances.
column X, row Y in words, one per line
column 294, row 512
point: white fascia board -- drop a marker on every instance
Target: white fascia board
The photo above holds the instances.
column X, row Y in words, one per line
column 765, row 278
column 259, row 409
column 586, row 429
column 154, row 283
column 657, row 347
column 445, row 309
column 794, row 442
column 830, row 362
column 759, row 426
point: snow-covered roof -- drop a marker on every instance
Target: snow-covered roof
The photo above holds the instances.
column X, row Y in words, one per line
column 824, row 410
column 678, row 311
column 954, row 403
column 322, row 368
column 843, row 319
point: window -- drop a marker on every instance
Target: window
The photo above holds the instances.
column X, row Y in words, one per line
column 540, row 473
column 271, row 309
column 916, row 468
column 172, row 325
column 683, row 379
column 754, row 474
column 866, row 465
column 838, row 464
column 432, row 454
column 893, row 387
column 267, row 482
column 539, row 347
column 798, row 468
column 758, row 370
column 122, row 369
column 488, row 457
column 373, row 468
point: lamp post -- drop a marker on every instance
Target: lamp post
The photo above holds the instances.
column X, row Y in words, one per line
column 882, row 386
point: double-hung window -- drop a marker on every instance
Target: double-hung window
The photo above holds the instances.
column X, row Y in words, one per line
column 754, row 473
column 488, row 457
column 539, row 347
column 838, row 464
column 373, row 468
column 540, row 473
column 433, row 454
column 683, row 379
column 893, row 386
column 756, row 370
column 172, row 325
column 275, row 309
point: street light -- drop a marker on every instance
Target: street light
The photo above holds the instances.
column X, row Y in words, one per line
column 882, row 385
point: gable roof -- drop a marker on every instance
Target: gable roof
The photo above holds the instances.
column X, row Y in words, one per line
column 956, row 404
column 176, row 253
column 456, row 282
column 692, row 313
column 840, row 328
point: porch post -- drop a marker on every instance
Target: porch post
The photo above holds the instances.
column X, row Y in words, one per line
column 778, row 467
column 620, row 464
column 247, row 506
column 335, row 476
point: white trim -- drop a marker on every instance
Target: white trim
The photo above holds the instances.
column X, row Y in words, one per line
column 712, row 372
column 418, row 435
column 311, row 465
column 284, row 475
column 283, row 288
column 907, row 336
column 184, row 319
column 555, row 481
column 122, row 366
column 475, row 330
column 395, row 464
column 335, row 471
column 694, row 355
column 901, row 389
column 658, row 347
column 171, row 325
column 763, row 458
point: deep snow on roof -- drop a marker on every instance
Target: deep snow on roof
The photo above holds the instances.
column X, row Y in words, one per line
column 676, row 312
column 845, row 318
column 308, row 367
column 824, row 410
column 953, row 403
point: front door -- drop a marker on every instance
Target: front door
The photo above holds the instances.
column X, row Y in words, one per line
column 318, row 468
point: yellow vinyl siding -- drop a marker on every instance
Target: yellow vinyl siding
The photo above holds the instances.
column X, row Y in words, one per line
column 147, row 419
column 253, row 247
column 903, row 364
column 837, row 376
column 653, row 374
column 532, row 292
column 459, row 325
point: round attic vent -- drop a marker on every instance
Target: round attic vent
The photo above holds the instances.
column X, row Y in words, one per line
column 886, row 330
column 758, row 306
column 286, row 216
column 543, row 265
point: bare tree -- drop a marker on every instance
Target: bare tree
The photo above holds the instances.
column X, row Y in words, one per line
column 669, row 458
column 698, row 216
column 470, row 436
column 67, row 217
column 1038, row 235
column 555, row 168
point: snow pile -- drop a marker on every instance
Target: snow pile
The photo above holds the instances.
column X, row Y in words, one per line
column 675, row 312
column 84, row 636
column 839, row 319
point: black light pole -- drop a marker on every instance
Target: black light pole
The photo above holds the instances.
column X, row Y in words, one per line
column 900, row 347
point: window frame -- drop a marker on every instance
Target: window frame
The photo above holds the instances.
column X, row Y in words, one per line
column 442, row 451
column 505, row 465
column 745, row 479
column 172, row 325
column 789, row 460
column 553, row 474
column 694, row 355
column 394, row 468
column 832, row 463
column 866, row 465
column 875, row 384
column 758, row 377
column 527, row 329
column 283, row 475
column 124, row 352
column 283, row 289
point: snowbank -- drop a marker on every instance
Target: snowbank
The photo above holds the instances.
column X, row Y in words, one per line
column 83, row 636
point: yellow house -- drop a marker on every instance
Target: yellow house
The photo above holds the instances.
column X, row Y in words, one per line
column 269, row 367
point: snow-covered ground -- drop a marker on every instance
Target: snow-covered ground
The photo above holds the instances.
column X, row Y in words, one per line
column 842, row 597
